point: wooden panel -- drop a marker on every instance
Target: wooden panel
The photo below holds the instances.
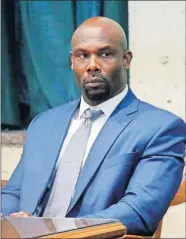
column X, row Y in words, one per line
column 157, row 234
column 181, row 194
column 132, row 237
column 111, row 230
column 11, row 232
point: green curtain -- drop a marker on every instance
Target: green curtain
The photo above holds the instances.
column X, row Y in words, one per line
column 118, row 11
column 44, row 30
column 9, row 90
column 87, row 9
column 47, row 30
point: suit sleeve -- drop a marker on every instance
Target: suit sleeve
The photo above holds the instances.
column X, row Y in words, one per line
column 148, row 197
column 10, row 194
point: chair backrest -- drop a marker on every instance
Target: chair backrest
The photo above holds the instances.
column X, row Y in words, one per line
column 181, row 194
column 3, row 183
column 179, row 198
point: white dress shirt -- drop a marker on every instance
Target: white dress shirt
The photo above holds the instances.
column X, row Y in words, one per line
column 107, row 107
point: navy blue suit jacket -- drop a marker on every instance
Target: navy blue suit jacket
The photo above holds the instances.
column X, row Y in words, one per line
column 132, row 173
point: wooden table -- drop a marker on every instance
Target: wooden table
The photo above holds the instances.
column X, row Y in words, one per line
column 20, row 227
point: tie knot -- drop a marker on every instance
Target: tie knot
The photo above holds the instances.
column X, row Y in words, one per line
column 92, row 114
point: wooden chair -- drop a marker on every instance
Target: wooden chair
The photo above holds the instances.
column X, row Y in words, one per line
column 3, row 183
column 178, row 199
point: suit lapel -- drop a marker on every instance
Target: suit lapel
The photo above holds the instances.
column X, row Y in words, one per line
column 118, row 121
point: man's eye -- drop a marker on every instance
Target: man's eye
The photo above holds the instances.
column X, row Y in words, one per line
column 82, row 55
column 106, row 54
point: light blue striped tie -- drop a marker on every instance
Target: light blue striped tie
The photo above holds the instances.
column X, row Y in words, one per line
column 69, row 167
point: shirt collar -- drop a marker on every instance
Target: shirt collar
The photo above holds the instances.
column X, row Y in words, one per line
column 107, row 106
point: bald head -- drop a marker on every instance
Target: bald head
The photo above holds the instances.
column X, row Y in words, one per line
column 105, row 26
column 99, row 59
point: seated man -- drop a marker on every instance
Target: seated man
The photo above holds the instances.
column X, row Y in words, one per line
column 106, row 155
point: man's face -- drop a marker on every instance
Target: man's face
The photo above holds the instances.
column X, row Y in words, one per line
column 98, row 64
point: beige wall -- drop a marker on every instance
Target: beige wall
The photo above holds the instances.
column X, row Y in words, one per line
column 157, row 40
column 10, row 158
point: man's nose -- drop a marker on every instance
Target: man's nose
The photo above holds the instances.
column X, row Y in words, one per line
column 93, row 65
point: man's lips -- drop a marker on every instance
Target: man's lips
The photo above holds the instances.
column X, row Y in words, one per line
column 94, row 82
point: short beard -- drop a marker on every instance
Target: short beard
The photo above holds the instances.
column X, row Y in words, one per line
column 97, row 94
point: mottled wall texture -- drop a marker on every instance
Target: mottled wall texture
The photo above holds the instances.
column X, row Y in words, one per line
column 157, row 40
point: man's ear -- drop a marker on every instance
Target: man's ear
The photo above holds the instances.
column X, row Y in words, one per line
column 71, row 60
column 127, row 57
